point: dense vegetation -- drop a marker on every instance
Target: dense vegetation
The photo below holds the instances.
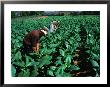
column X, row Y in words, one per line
column 15, row 14
column 73, row 50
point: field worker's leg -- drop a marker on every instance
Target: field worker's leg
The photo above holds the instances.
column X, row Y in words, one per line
column 34, row 49
column 38, row 45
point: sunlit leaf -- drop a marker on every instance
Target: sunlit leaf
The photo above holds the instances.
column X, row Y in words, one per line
column 62, row 52
column 50, row 72
column 13, row 70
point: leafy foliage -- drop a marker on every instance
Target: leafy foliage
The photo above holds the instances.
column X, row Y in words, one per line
column 73, row 48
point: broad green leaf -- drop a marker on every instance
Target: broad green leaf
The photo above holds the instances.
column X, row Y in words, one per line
column 50, row 72
column 18, row 56
column 62, row 52
column 34, row 73
column 68, row 60
column 45, row 60
column 74, row 67
column 52, row 67
column 28, row 63
column 95, row 56
column 88, row 51
column 78, row 39
column 53, row 45
column 58, row 61
column 44, row 51
column 19, row 38
column 33, row 54
column 94, row 63
column 20, row 64
column 13, row 70
column 66, row 74
column 67, row 45
column 20, row 74
column 24, row 73
column 60, row 70
column 71, row 42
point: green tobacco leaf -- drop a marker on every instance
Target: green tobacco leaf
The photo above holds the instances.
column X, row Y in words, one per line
column 95, row 56
column 49, row 51
column 24, row 73
column 74, row 67
column 58, row 61
column 60, row 70
column 59, row 37
column 66, row 74
column 20, row 74
column 53, row 45
column 94, row 63
column 52, row 67
column 19, row 37
column 88, row 51
column 28, row 63
column 27, row 60
column 45, row 60
column 32, row 54
column 13, row 70
column 44, row 51
column 21, row 64
column 18, row 56
column 78, row 39
column 68, row 59
column 67, row 45
column 62, row 52
column 50, row 72
column 34, row 73
column 71, row 42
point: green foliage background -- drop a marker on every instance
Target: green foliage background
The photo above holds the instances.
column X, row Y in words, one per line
column 57, row 49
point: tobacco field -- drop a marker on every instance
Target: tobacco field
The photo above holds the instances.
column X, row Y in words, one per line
column 73, row 50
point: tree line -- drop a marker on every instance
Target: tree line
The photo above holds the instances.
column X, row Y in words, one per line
column 15, row 14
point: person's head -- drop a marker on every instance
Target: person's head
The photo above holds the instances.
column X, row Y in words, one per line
column 55, row 24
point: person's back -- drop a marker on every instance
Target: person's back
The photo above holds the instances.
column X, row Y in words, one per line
column 53, row 26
